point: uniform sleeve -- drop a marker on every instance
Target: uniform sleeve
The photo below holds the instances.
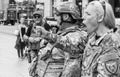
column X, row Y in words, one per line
column 65, row 43
column 108, row 63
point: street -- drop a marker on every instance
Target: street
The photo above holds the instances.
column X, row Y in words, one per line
column 10, row 64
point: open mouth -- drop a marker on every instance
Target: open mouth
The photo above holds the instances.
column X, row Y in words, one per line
column 83, row 26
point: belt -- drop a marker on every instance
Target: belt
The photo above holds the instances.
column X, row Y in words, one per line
column 76, row 56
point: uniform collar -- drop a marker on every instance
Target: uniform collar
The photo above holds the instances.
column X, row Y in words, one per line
column 96, row 40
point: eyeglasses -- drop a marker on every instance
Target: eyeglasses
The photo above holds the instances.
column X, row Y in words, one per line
column 104, row 7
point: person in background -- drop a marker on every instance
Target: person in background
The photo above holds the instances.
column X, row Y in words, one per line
column 33, row 35
column 38, row 21
column 102, row 53
column 20, row 44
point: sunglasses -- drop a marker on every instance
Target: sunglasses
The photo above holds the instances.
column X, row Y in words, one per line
column 104, row 7
column 37, row 16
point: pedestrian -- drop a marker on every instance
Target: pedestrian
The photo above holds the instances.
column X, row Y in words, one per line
column 38, row 21
column 34, row 39
column 20, row 44
column 32, row 34
column 73, row 39
column 102, row 54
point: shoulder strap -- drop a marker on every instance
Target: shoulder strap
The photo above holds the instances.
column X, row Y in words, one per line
column 65, row 32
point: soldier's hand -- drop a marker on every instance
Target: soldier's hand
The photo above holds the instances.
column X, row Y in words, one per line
column 43, row 31
column 25, row 37
column 37, row 39
column 22, row 40
column 31, row 39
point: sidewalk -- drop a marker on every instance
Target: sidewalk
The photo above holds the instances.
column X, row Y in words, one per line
column 8, row 29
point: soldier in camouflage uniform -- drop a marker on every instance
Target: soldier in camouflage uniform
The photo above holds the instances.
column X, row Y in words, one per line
column 102, row 52
column 72, row 40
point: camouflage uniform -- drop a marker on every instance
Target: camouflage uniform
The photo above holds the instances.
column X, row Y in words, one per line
column 71, row 40
column 101, row 57
column 72, row 43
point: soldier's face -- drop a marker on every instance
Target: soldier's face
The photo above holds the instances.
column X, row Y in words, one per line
column 58, row 18
column 90, row 19
column 22, row 20
column 37, row 18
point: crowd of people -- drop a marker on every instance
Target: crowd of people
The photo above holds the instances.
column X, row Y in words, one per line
column 72, row 48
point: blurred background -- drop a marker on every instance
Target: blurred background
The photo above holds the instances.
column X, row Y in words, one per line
column 11, row 9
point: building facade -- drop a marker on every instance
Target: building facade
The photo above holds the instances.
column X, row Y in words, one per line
column 3, row 4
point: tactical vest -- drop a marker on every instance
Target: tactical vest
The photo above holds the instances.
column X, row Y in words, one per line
column 75, row 39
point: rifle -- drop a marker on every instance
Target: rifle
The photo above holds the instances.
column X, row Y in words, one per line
column 48, row 54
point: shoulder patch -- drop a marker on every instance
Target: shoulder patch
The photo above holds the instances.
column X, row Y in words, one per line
column 111, row 66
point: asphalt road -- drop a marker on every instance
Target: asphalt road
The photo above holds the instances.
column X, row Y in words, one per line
column 10, row 64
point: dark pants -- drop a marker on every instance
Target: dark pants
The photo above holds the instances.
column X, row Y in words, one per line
column 20, row 53
column 19, row 46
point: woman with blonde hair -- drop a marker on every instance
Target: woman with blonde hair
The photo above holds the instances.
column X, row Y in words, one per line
column 101, row 55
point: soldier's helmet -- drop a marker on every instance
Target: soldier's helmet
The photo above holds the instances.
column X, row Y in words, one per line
column 38, row 13
column 67, row 7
